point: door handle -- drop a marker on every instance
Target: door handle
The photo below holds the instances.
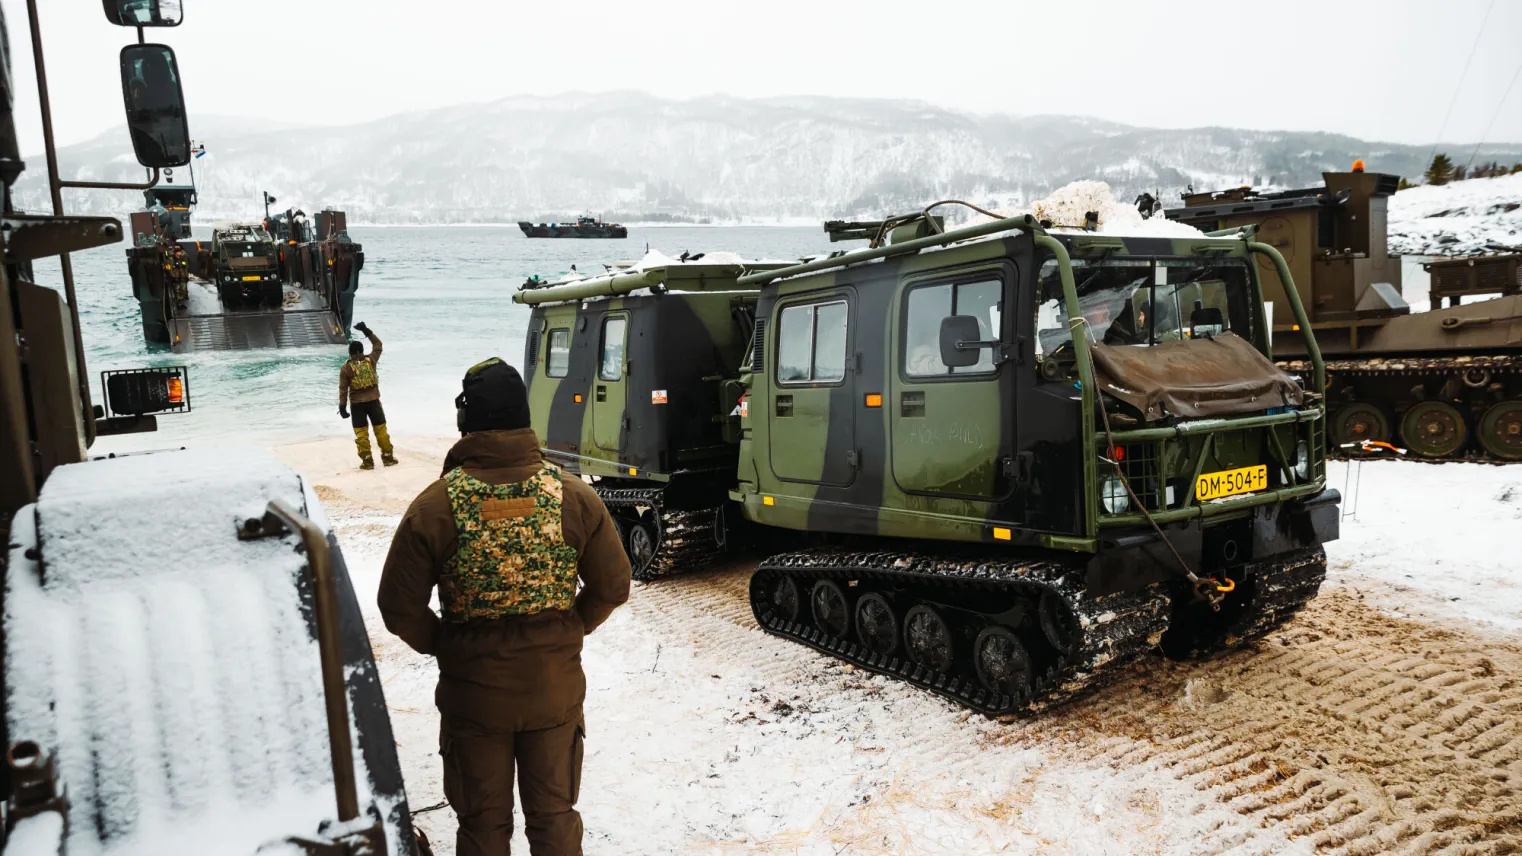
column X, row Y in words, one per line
column 602, row 393
column 784, row 405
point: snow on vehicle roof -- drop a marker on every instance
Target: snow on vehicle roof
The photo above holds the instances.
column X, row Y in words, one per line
column 171, row 666
column 1067, row 206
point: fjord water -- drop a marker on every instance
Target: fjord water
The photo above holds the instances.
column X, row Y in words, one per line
column 440, row 297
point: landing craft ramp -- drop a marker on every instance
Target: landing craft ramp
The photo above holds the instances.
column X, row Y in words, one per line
column 304, row 320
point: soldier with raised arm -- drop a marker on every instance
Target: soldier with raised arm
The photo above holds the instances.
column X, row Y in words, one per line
column 358, row 384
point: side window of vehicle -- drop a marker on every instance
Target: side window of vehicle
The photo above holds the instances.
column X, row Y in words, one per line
column 811, row 343
column 611, row 364
column 924, row 308
column 559, row 362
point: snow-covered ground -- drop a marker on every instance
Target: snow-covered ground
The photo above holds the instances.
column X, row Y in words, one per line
column 1478, row 215
column 1380, row 720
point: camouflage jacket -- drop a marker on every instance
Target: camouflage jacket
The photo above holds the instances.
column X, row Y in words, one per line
column 518, row 672
column 512, row 558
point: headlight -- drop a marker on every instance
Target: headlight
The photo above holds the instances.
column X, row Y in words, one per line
column 1303, row 461
column 1112, row 493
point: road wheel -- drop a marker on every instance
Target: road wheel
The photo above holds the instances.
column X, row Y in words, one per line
column 927, row 638
column 1501, row 430
column 832, row 614
column 641, row 541
column 1057, row 623
column 876, row 625
column 785, row 598
column 1002, row 663
column 1434, row 429
column 1359, row 421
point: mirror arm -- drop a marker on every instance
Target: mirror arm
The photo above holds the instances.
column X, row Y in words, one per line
column 107, row 185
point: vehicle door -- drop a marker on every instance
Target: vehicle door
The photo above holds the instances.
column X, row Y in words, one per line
column 952, row 427
column 608, row 394
column 812, row 419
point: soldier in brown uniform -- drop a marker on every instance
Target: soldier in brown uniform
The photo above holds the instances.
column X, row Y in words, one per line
column 358, row 383
column 505, row 538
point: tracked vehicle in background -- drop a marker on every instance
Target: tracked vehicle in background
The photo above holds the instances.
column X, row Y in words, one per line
column 1445, row 384
column 185, row 664
column 1020, row 458
column 634, row 378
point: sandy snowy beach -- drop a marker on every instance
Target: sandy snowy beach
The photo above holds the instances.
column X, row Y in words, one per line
column 1385, row 718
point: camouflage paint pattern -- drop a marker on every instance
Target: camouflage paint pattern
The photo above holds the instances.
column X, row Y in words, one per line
column 512, row 557
column 990, row 456
column 639, row 386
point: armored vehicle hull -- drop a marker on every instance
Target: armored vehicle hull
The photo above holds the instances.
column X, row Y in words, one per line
column 1444, row 384
column 584, row 227
column 921, row 448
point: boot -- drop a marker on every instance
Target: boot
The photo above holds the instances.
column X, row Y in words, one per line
column 362, row 443
column 385, row 445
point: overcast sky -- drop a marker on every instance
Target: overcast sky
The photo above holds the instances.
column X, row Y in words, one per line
column 1384, row 70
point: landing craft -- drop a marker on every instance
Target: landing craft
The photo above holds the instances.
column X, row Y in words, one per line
column 1444, row 384
column 284, row 282
column 185, row 664
column 1013, row 458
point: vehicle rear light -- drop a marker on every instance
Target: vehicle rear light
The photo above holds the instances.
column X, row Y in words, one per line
column 1118, row 453
column 176, row 390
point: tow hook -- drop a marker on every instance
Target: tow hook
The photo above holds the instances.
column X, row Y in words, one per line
column 1211, row 591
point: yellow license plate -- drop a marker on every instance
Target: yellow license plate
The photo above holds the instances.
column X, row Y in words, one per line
column 251, row 279
column 1231, row 482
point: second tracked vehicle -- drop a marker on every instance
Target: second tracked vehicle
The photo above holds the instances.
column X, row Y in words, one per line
column 1000, row 460
column 1445, row 384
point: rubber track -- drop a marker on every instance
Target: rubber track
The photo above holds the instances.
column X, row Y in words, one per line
column 1114, row 628
column 1416, row 367
column 684, row 540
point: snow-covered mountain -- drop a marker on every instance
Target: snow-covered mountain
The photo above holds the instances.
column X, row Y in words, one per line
column 635, row 157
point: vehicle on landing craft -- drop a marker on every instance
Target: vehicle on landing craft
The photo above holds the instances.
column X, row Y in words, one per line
column 1013, row 457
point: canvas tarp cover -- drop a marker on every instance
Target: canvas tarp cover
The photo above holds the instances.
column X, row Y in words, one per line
column 1194, row 378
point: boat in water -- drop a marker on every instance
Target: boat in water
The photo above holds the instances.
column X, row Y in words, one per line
column 584, row 227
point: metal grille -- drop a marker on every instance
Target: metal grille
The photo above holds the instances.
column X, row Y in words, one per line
column 254, row 331
column 758, row 348
column 1142, row 464
column 533, row 348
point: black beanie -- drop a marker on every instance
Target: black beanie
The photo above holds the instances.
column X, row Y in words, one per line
column 492, row 398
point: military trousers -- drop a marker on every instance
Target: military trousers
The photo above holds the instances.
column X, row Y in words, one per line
column 479, row 767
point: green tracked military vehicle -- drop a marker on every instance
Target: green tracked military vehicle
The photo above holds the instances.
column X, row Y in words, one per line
column 639, row 392
column 1022, row 458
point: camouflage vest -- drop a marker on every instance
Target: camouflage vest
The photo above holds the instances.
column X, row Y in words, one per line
column 512, row 557
column 364, row 374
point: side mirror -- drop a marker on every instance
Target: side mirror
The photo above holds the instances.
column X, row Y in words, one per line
column 959, row 341
column 1206, row 322
column 155, row 105
column 144, row 13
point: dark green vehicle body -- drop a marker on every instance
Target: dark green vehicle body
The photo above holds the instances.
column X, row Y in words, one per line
column 1000, row 453
column 975, row 475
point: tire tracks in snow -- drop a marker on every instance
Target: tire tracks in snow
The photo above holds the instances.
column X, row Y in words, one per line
column 1348, row 730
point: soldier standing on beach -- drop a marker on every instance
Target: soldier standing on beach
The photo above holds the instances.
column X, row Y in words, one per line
column 358, row 384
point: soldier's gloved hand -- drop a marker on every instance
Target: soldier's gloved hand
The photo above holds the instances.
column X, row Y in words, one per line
column 362, row 327
column 343, row 411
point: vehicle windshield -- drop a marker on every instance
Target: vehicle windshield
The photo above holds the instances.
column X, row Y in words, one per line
column 238, row 249
column 1144, row 302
